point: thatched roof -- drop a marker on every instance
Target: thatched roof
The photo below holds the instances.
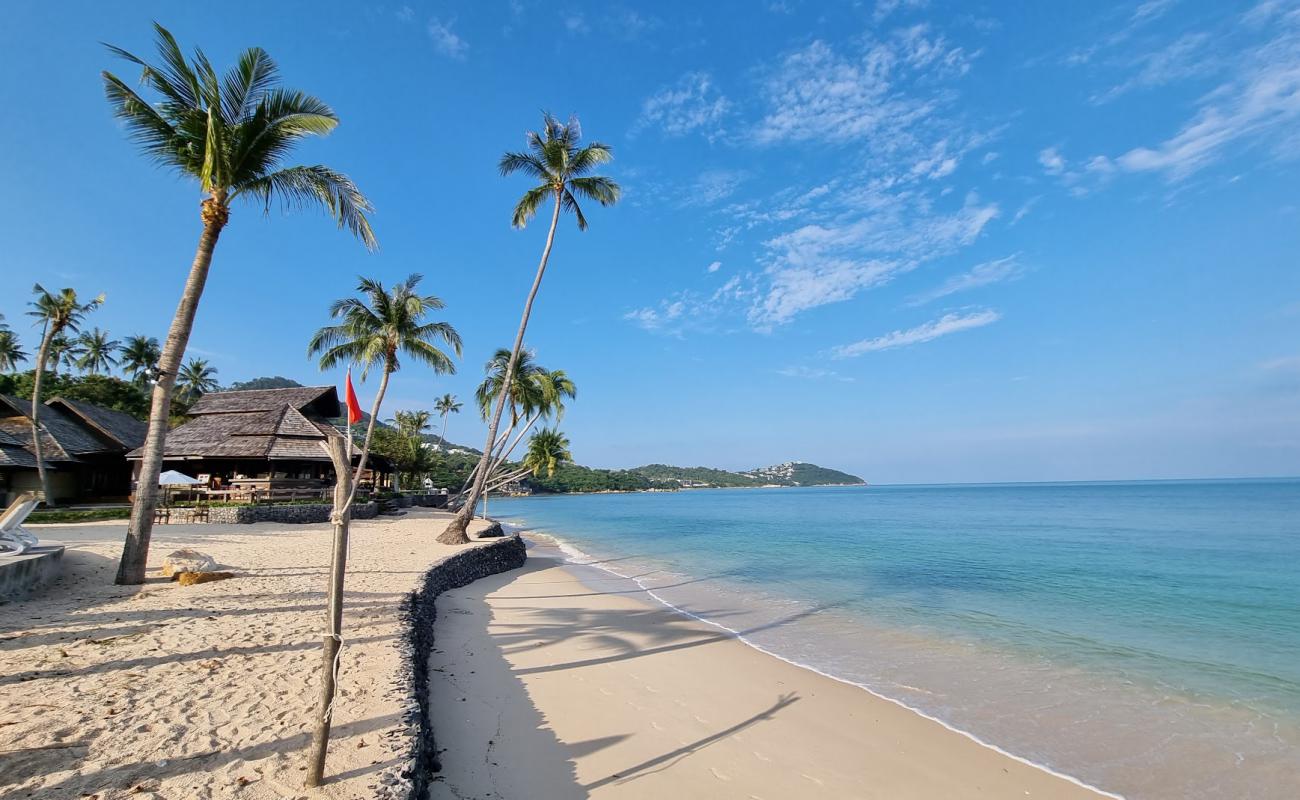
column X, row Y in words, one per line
column 68, row 431
column 122, row 429
column 314, row 401
column 279, row 433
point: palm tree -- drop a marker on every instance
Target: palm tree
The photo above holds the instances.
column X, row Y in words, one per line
column 231, row 135
column 196, row 379
column 140, row 355
column 374, row 330
column 547, row 450
column 11, row 350
column 94, row 351
column 62, row 353
column 561, row 167
column 411, row 425
column 57, row 313
column 447, row 404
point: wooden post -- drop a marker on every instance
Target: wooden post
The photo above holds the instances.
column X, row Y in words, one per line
column 333, row 639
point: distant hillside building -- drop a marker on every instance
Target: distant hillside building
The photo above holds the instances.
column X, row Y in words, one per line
column 85, row 449
column 262, row 439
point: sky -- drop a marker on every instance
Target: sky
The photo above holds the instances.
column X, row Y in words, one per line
column 917, row 241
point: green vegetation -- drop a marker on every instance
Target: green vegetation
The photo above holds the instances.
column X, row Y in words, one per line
column 688, row 476
column 793, row 473
column 274, row 382
column 89, row 515
column 573, row 478
column 102, row 390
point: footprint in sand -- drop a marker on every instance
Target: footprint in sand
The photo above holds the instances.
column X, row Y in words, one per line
column 817, row 781
column 656, row 725
column 720, row 776
column 760, row 756
column 606, row 692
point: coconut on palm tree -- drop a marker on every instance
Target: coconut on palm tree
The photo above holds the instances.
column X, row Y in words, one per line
column 447, row 404
column 231, row 134
column 561, row 167
column 93, row 352
column 375, row 330
column 57, row 313
column 140, row 356
column 197, row 378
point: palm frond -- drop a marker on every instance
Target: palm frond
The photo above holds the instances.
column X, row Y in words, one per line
column 317, row 185
column 590, row 157
column 144, row 124
column 571, row 205
column 527, row 206
column 523, row 162
column 602, row 190
column 247, row 83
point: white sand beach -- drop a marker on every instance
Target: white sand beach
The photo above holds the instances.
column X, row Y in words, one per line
column 545, row 686
column 206, row 691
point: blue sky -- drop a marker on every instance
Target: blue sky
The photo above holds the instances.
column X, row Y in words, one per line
column 915, row 240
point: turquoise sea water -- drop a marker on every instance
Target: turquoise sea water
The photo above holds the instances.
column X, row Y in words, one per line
column 1143, row 636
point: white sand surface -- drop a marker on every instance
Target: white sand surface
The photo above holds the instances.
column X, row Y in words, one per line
column 548, row 687
column 206, row 691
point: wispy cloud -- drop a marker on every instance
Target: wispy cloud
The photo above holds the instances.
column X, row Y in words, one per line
column 1185, row 57
column 1260, row 100
column 928, row 332
column 692, row 104
column 714, row 267
column 813, row 374
column 446, row 41
column 990, row 272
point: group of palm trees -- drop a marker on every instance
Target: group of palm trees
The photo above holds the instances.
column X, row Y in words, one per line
column 94, row 352
column 230, row 134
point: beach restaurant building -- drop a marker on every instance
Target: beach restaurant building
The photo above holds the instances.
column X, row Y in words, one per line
column 263, row 442
column 84, row 446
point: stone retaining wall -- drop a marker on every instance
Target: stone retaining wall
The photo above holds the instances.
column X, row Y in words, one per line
column 300, row 513
column 419, row 613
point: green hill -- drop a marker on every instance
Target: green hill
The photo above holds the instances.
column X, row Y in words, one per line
column 794, row 473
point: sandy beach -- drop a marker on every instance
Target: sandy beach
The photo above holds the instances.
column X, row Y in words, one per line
column 547, row 686
column 206, row 691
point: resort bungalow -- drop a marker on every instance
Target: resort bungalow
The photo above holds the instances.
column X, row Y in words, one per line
column 85, row 449
column 263, row 442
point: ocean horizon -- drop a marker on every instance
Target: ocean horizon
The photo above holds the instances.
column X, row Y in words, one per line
column 1141, row 636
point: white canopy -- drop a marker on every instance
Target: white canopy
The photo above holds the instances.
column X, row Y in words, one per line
column 173, row 478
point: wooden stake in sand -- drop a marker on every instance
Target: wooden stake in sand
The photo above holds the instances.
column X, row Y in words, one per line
column 333, row 636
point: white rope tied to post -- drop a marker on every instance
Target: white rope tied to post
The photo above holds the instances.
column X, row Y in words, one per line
column 338, row 663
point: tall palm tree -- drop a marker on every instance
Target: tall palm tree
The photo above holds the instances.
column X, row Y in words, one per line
column 374, row 330
column 447, row 404
column 140, row 355
column 562, row 170
column 231, row 134
column 11, row 350
column 197, row 378
column 57, row 314
column 95, row 352
column 412, row 425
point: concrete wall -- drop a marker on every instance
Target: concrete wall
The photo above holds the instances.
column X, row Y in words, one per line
column 410, row 779
column 20, row 575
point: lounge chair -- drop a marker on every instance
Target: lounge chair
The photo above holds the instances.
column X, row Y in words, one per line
column 14, row 539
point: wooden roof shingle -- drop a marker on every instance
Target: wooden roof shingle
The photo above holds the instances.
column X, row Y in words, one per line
column 324, row 401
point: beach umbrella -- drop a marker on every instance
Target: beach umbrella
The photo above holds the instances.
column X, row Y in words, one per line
column 173, row 478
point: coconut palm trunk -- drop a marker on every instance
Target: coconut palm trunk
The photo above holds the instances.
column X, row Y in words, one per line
column 456, row 531
column 135, row 551
column 370, row 429
column 37, row 449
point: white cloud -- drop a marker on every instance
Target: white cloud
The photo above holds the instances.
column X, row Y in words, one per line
column 812, row 373
column 818, row 264
column 990, row 272
column 819, row 94
column 1262, row 99
column 576, row 24
column 1185, row 57
column 714, row 267
column 948, row 323
column 692, row 104
column 446, row 41
column 1052, row 160
column 886, row 7
column 712, row 186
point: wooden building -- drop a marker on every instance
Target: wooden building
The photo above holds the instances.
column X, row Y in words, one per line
column 263, row 440
column 85, row 449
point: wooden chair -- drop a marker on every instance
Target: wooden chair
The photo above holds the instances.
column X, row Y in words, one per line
column 14, row 539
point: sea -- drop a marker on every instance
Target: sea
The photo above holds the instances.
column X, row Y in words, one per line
column 1140, row 637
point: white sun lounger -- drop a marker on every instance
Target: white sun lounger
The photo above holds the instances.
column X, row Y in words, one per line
column 14, row 539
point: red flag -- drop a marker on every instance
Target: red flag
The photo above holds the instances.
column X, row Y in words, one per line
column 354, row 408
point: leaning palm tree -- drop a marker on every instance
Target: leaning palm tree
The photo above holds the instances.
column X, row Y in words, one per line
column 374, row 330
column 547, row 451
column 197, row 378
column 447, row 404
column 139, row 357
column 231, row 134
column 57, row 314
column 94, row 352
column 562, row 170
column 11, row 350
